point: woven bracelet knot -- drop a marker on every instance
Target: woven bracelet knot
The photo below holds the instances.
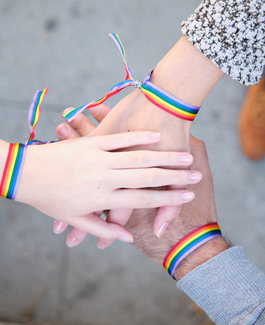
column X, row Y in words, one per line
column 137, row 84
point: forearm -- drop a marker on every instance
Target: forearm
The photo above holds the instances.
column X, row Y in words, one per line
column 230, row 33
column 201, row 255
column 184, row 73
column 229, row 288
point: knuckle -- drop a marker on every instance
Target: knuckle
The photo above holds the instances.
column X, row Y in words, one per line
column 140, row 158
column 199, row 144
column 171, row 158
column 147, row 199
column 121, row 137
column 173, row 198
column 182, row 177
column 150, row 176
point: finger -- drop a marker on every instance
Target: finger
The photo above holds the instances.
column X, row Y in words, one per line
column 154, row 177
column 128, row 139
column 65, row 132
column 81, row 124
column 75, row 237
column 100, row 112
column 144, row 158
column 94, row 225
column 144, row 199
column 118, row 216
column 164, row 216
column 59, row 226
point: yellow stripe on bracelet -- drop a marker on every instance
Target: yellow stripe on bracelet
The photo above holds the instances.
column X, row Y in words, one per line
column 188, row 244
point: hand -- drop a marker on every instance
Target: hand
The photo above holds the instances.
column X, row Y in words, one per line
column 185, row 73
column 193, row 215
column 83, row 126
column 80, row 176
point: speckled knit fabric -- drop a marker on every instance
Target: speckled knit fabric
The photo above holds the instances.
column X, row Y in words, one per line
column 232, row 34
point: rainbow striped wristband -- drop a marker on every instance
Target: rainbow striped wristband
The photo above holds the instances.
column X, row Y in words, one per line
column 188, row 244
column 154, row 94
column 12, row 171
column 17, row 151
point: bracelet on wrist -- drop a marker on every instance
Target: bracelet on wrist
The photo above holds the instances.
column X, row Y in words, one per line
column 154, row 94
column 188, row 244
column 159, row 97
column 17, row 152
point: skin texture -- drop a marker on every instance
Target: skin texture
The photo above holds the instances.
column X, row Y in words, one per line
column 194, row 214
column 83, row 125
column 80, row 176
column 185, row 73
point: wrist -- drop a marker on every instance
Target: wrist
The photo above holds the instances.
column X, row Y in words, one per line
column 201, row 255
column 186, row 73
column 136, row 113
column 3, row 155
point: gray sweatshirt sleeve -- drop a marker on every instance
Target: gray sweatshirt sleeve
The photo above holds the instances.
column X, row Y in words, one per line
column 229, row 288
column 232, row 34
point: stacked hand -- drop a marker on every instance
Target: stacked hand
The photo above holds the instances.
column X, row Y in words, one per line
column 193, row 215
column 83, row 126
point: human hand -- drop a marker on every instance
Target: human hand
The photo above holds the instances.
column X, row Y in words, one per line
column 135, row 112
column 80, row 176
column 83, row 126
column 193, row 215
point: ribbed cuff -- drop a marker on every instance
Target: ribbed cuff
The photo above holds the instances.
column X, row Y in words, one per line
column 228, row 287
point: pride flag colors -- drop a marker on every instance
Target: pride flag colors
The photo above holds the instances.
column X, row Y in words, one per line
column 34, row 111
column 188, row 244
column 155, row 95
column 12, row 171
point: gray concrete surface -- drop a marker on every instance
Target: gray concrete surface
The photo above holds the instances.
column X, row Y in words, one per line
column 63, row 44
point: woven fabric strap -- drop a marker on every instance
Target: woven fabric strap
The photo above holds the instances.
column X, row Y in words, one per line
column 157, row 96
column 17, row 151
column 188, row 244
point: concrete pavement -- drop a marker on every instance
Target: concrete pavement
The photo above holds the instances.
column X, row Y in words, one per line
column 64, row 45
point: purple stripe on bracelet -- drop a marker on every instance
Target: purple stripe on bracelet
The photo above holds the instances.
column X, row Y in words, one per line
column 191, row 250
column 20, row 172
column 147, row 81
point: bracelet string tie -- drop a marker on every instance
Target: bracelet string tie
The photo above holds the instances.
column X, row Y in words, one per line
column 17, row 152
column 154, row 94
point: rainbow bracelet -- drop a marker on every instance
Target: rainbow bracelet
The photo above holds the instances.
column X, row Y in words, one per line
column 17, row 151
column 188, row 244
column 12, row 171
column 157, row 96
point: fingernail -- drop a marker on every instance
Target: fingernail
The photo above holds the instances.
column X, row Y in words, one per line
column 94, row 110
column 67, row 110
column 185, row 158
column 71, row 241
column 126, row 239
column 195, row 176
column 57, row 227
column 187, row 196
column 101, row 245
column 62, row 131
column 162, row 229
column 154, row 135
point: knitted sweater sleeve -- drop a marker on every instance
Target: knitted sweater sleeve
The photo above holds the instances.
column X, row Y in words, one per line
column 232, row 34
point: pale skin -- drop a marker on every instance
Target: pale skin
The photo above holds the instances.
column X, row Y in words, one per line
column 193, row 215
column 186, row 74
column 71, row 180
